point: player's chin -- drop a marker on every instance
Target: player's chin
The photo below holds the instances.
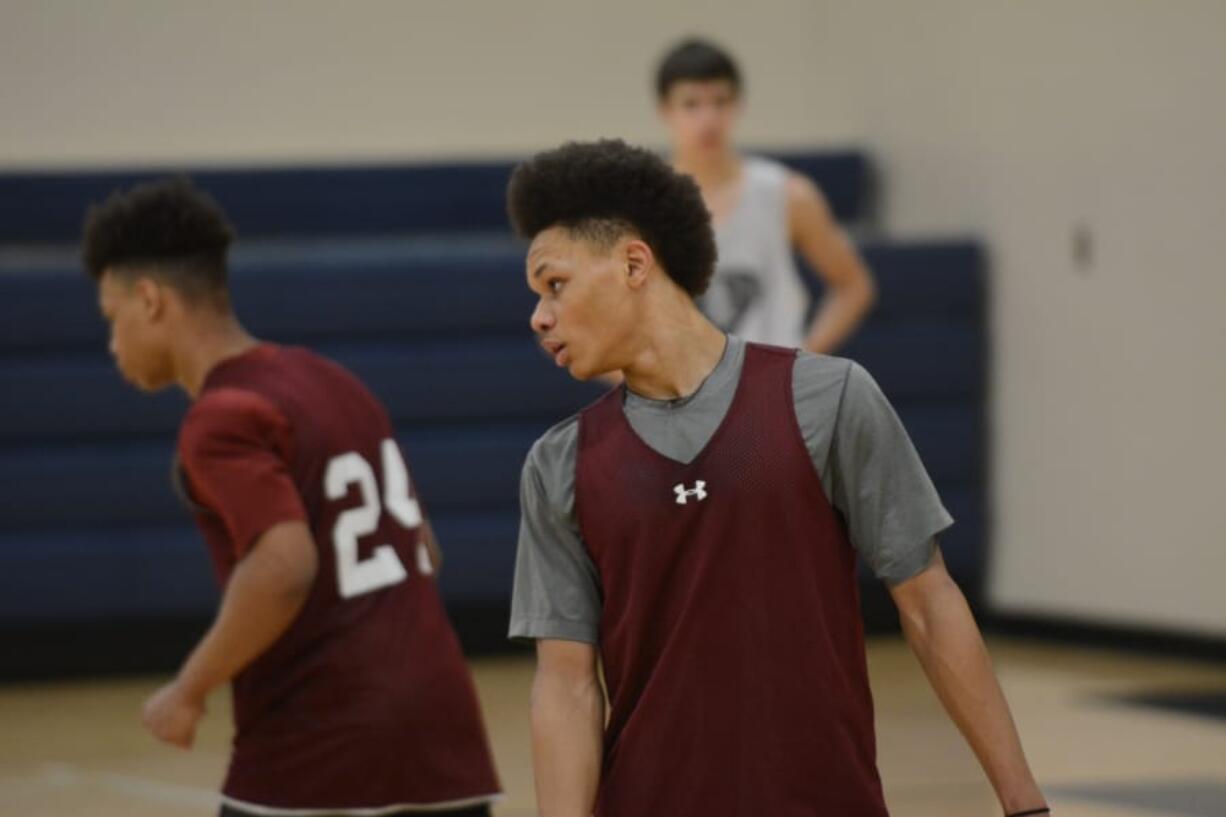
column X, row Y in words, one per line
column 579, row 371
column 145, row 382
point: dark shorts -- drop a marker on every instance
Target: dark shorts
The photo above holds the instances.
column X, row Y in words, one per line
column 471, row 811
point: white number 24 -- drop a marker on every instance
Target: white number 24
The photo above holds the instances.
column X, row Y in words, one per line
column 383, row 568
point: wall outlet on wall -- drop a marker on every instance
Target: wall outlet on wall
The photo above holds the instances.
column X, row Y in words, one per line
column 1082, row 247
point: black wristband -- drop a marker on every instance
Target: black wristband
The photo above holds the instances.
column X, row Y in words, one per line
column 1031, row 813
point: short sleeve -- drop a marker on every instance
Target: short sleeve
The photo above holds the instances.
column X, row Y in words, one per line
column 234, row 449
column 556, row 592
column 878, row 482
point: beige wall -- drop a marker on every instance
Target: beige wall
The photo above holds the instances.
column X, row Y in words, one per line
column 1012, row 120
column 122, row 81
column 1020, row 120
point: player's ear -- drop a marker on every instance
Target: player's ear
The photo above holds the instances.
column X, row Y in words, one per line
column 151, row 295
column 639, row 260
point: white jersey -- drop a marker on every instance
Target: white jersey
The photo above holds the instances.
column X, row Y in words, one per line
column 756, row 291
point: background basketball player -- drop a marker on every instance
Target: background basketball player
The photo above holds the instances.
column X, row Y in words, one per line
column 350, row 691
column 762, row 212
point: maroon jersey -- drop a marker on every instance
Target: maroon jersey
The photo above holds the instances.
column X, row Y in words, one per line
column 365, row 701
column 730, row 635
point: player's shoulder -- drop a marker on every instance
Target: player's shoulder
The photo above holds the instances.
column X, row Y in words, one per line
column 233, row 411
column 823, row 383
column 302, row 357
column 795, row 182
column 556, row 450
column 229, row 402
column 271, row 360
column 301, row 362
column 814, row 374
column 549, row 469
column 823, row 386
column 804, row 197
column 765, row 167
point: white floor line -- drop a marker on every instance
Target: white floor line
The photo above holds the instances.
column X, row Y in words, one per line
column 65, row 774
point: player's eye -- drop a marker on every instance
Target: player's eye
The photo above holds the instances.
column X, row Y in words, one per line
column 555, row 285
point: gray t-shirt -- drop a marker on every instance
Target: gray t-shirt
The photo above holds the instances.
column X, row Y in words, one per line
column 868, row 468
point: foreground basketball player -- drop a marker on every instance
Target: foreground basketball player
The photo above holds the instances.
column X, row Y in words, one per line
column 696, row 532
column 350, row 692
column 762, row 212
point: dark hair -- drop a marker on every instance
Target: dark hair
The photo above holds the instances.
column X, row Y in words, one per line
column 604, row 190
column 166, row 225
column 696, row 60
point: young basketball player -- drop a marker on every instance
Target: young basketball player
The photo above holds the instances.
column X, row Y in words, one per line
column 350, row 692
column 697, row 531
column 763, row 213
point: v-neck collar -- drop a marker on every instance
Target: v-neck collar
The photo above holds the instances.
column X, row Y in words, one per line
column 725, row 372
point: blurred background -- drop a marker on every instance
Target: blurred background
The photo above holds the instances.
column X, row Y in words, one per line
column 1039, row 187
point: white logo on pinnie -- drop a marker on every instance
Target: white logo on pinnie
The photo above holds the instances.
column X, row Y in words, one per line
column 699, row 492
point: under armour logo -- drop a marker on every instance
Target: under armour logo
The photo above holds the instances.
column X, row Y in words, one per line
column 699, row 492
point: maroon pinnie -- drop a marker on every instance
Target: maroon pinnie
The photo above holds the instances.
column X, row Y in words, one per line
column 730, row 636
column 365, row 702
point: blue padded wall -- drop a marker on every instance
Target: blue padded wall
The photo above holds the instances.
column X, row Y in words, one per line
column 46, row 207
column 436, row 325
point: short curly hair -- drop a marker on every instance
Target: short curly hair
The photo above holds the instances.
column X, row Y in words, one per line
column 606, row 189
column 167, row 225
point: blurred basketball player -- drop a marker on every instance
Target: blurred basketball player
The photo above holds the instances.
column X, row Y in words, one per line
column 350, row 692
column 762, row 213
column 698, row 530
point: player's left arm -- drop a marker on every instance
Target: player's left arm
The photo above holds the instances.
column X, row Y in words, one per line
column 264, row 595
column 431, row 542
column 849, row 287
column 943, row 634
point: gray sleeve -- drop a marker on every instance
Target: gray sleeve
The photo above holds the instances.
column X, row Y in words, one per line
column 870, row 470
column 557, row 591
column 878, row 482
column 817, row 389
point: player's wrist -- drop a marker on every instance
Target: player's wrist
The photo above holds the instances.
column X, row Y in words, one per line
column 190, row 689
column 1024, row 801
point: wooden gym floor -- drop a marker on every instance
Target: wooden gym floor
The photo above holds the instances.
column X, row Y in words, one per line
column 76, row 748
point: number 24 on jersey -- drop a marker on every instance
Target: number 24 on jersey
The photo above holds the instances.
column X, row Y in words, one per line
column 383, row 567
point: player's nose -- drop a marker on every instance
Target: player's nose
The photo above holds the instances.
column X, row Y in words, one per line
column 542, row 319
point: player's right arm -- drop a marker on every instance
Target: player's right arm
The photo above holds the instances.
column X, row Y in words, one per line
column 567, row 728
column 556, row 604
column 264, row 595
column 234, row 450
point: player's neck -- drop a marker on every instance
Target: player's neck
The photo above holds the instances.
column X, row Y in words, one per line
column 711, row 171
column 211, row 340
column 680, row 348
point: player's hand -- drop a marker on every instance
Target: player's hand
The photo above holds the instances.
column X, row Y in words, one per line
column 171, row 715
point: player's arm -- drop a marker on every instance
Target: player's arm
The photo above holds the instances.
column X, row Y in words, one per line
column 431, row 542
column 567, row 728
column 894, row 515
column 234, row 452
column 556, row 604
column 942, row 633
column 849, row 287
column 264, row 595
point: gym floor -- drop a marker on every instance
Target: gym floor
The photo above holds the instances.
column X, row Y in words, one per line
column 1108, row 733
